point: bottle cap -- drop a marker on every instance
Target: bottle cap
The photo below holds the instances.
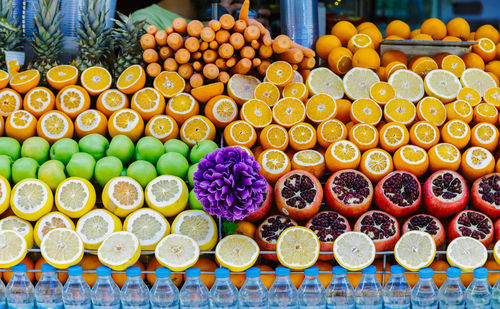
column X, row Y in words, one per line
column 103, row 271
column 311, row 271
column 339, row 270
column 252, row 272
column 222, row 272
column 75, row 270
column 133, row 271
column 193, row 272
column 397, row 269
column 162, row 272
column 282, row 271
column 369, row 270
column 453, row 272
column 480, row 273
column 48, row 268
column 426, row 273
column 19, row 268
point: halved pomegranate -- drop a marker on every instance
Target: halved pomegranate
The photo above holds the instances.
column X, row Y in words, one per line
column 349, row 192
column 485, row 194
column 298, row 194
column 473, row 224
column 445, row 193
column 328, row 225
column 399, row 193
column 426, row 223
column 497, row 230
column 269, row 231
column 381, row 227
column 264, row 207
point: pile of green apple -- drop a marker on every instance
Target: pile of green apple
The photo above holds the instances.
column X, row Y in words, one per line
column 96, row 159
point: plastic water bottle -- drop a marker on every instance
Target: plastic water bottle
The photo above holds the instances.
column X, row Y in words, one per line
column 312, row 294
column 223, row 293
column 253, row 293
column 368, row 293
column 105, row 292
column 48, row 291
column 3, row 295
column 479, row 290
column 397, row 291
column 76, row 292
column 452, row 292
column 20, row 290
column 495, row 296
column 339, row 293
column 425, row 294
column 282, row 293
column 194, row 294
column 164, row 294
column 135, row 293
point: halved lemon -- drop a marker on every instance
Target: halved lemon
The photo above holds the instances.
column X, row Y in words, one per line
column 31, row 199
column 96, row 226
column 298, row 247
column 322, row 80
column 354, row 250
column 49, row 222
column 407, row 85
column 442, row 84
column 466, row 253
column 198, row 225
column 237, row 252
column 23, row 227
column 496, row 252
column 122, row 195
column 477, row 79
column 415, row 250
column 177, row 252
column 75, row 197
column 148, row 225
column 167, row 195
column 119, row 250
column 62, row 248
column 5, row 192
column 358, row 81
column 14, row 248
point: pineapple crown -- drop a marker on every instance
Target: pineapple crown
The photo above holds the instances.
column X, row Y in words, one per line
column 6, row 9
column 47, row 35
column 11, row 37
column 127, row 33
column 94, row 36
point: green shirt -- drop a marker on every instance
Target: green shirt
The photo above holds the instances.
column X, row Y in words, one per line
column 156, row 15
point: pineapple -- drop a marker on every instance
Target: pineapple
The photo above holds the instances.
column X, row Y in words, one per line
column 11, row 37
column 126, row 38
column 47, row 41
column 94, row 37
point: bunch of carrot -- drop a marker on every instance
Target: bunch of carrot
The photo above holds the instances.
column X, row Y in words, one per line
column 201, row 54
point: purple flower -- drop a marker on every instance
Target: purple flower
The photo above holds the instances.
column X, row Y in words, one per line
column 228, row 183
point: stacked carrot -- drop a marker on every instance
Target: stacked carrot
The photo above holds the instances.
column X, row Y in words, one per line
column 202, row 54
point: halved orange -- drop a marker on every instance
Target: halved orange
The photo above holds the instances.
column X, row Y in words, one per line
column 309, row 160
column 485, row 135
column 492, row 96
column 400, row 110
column 444, row 156
column 423, row 65
column 267, row 92
column 132, row 79
column 61, row 76
column 4, row 79
column 279, row 73
column 242, row 87
column 54, row 125
column 382, row 92
column 424, row 134
column 257, row 113
column 96, row 80
column 10, row 101
column 111, row 101
column 302, row 136
column 221, row 110
column 342, row 154
column 330, row 131
column 393, row 135
column 296, row 90
column 363, row 135
column 38, row 101
column 240, row 133
column 148, row 102
column 127, row 122
column 20, row 125
column 196, row 129
column 366, row 111
column 274, row 163
column 2, row 126
column 485, row 48
column 459, row 110
column 411, row 158
column 485, row 112
column 476, row 162
column 22, row 82
column 169, row 84
column 470, row 95
column 456, row 132
column 181, row 107
column 321, row 107
column 288, row 112
column 208, row 91
column 274, row 136
column 91, row 121
column 162, row 127
column 393, row 67
column 453, row 64
column 73, row 100
column 359, row 41
column 432, row 110
column 376, row 163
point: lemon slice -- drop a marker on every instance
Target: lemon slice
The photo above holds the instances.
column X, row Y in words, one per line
column 13, row 248
column 148, row 225
column 354, row 250
column 75, row 197
column 297, row 247
column 122, row 196
column 177, row 252
column 198, row 225
column 31, row 199
column 96, row 226
column 415, row 250
column 119, row 250
column 237, row 252
column 52, row 220
column 23, row 227
column 167, row 194
column 4, row 194
column 466, row 253
column 62, row 248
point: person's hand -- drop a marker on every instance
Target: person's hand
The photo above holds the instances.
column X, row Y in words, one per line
column 234, row 5
column 231, row 5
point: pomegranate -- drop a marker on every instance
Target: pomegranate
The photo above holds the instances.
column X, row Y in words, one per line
column 445, row 193
column 269, row 231
column 381, row 227
column 264, row 207
column 426, row 223
column 497, row 230
column 399, row 193
column 298, row 194
column 349, row 192
column 473, row 224
column 328, row 225
column 485, row 194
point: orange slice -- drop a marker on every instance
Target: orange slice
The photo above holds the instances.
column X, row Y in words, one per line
column 330, row 131
column 302, row 136
column 274, row 163
column 321, row 107
column 376, row 164
column 148, row 102
column 382, row 92
column 196, row 129
column 444, row 156
column 181, row 107
column 274, row 136
column 257, row 113
column 366, row 111
column 309, row 160
column 492, row 96
column 363, row 135
column 411, row 158
column 22, row 82
column 424, row 134
column 296, row 90
column 61, row 76
column 267, row 92
column 342, row 154
column 322, row 80
column 400, row 110
column 359, row 41
column 476, row 162
column 38, row 101
column 221, row 110
column 96, row 80
column 240, row 133
column 485, row 135
column 73, row 100
column 242, row 87
column 127, row 122
column 20, row 125
column 89, row 122
column 10, row 101
column 459, row 110
column 169, row 84
column 4, row 79
column 470, row 95
column 358, row 81
column 393, row 135
column 162, row 127
column 485, row 112
column 453, row 64
column 111, row 101
column 54, row 125
column 279, row 73
column 132, row 79
column 456, row 132
column 432, row 110
column 407, row 85
column 206, row 92
column 288, row 112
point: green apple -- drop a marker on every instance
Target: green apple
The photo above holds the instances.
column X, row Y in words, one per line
column 52, row 173
column 5, row 166
column 10, row 147
column 194, row 203
column 122, row 147
column 172, row 163
column 37, row 148
column 201, row 149
column 192, row 169
column 94, row 144
column 149, row 148
column 81, row 165
column 63, row 149
column 142, row 171
column 24, row 168
column 176, row 145
column 107, row 168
